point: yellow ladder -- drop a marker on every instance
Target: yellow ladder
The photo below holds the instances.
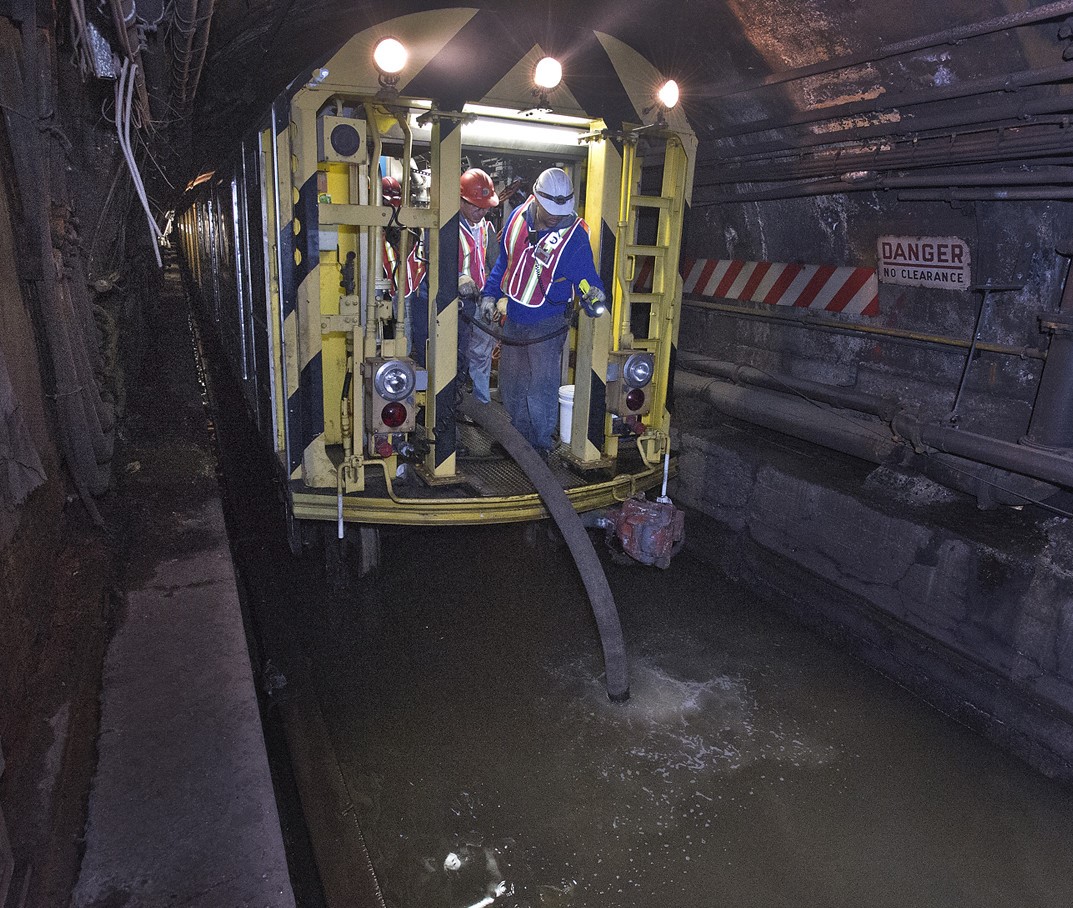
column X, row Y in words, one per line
column 665, row 298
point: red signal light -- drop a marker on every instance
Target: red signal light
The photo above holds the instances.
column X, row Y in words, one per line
column 393, row 415
column 635, row 399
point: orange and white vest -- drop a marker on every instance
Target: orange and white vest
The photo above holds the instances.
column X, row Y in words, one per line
column 473, row 250
column 530, row 267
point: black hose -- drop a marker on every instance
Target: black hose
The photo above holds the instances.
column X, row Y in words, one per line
column 345, row 395
column 494, row 419
column 498, row 335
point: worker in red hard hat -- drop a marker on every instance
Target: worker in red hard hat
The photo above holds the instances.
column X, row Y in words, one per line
column 391, row 190
column 545, row 259
column 391, row 194
column 477, row 248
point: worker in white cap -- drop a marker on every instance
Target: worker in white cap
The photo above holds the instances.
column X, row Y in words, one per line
column 545, row 260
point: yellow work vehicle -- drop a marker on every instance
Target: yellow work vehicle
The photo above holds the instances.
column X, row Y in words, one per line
column 301, row 262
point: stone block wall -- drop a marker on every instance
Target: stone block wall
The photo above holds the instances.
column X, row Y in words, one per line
column 971, row 609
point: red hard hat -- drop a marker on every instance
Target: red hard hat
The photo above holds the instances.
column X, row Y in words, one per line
column 391, row 190
column 477, row 188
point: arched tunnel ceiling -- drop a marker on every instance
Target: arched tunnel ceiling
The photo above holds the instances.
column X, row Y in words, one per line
column 746, row 67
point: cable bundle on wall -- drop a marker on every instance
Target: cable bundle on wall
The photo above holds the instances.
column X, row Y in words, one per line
column 65, row 319
column 124, row 94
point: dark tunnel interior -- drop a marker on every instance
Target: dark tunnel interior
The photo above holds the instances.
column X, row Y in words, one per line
column 289, row 616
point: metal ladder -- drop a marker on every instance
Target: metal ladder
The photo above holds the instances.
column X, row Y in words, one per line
column 665, row 297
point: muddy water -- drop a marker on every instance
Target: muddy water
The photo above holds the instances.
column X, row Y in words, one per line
column 755, row 765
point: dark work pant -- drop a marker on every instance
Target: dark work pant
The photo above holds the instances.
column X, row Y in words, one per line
column 529, row 380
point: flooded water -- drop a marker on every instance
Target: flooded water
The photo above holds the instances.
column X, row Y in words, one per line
column 755, row 764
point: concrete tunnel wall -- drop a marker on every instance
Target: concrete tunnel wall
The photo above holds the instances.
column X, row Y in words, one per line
column 971, row 608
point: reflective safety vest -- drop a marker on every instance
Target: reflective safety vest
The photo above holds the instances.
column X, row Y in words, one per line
column 473, row 250
column 416, row 265
column 530, row 267
column 391, row 262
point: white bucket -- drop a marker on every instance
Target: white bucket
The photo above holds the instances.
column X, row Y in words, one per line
column 566, row 412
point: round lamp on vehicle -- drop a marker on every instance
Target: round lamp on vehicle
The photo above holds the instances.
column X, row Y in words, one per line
column 394, row 380
column 668, row 94
column 390, row 56
column 548, row 73
column 635, row 399
column 637, row 370
column 393, row 415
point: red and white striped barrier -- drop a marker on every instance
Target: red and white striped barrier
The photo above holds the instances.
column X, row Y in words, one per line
column 851, row 290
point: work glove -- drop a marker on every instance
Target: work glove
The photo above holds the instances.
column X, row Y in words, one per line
column 486, row 309
column 467, row 287
column 593, row 300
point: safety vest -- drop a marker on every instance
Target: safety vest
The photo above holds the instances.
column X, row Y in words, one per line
column 391, row 262
column 416, row 265
column 472, row 250
column 530, row 267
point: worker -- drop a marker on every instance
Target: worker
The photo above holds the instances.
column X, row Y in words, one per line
column 391, row 194
column 544, row 261
column 477, row 248
column 416, row 261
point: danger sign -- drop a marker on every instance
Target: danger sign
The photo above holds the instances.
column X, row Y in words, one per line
column 924, row 261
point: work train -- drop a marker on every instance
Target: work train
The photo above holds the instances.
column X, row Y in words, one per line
column 283, row 249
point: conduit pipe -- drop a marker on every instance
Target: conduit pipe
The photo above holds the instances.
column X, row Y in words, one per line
column 976, row 145
column 494, row 419
column 995, row 116
column 935, row 151
column 876, row 442
column 125, row 17
column 832, row 187
column 858, row 437
column 935, row 39
column 798, row 318
column 201, row 44
column 70, row 392
column 184, row 21
column 1043, row 194
column 862, row 402
column 1051, row 424
column 97, row 417
column 1006, row 455
column 1049, row 178
column 973, row 88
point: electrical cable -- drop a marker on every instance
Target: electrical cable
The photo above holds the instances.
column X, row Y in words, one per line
column 124, row 101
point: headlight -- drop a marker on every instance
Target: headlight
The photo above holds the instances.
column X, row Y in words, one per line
column 637, row 370
column 395, row 380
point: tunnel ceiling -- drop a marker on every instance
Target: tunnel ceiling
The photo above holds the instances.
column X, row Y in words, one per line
column 882, row 87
